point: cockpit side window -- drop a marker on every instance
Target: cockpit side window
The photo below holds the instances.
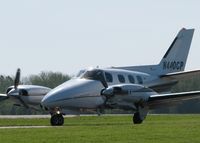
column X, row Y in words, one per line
column 109, row 77
column 93, row 74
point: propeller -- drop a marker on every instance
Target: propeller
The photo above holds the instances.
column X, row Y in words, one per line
column 104, row 83
column 17, row 78
column 99, row 76
column 16, row 92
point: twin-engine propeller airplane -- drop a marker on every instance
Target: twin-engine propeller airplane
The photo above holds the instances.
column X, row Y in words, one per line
column 135, row 88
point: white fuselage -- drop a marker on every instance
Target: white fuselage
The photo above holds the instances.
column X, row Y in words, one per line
column 84, row 91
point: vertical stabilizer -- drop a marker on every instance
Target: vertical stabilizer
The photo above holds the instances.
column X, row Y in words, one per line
column 175, row 58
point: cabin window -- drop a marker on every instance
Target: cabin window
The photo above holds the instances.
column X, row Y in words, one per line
column 131, row 79
column 109, row 77
column 139, row 78
column 121, row 78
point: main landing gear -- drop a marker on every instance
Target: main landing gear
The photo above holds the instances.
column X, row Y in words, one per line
column 137, row 118
column 57, row 118
column 140, row 115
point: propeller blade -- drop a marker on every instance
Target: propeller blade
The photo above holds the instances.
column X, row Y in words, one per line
column 17, row 78
column 104, row 83
column 22, row 102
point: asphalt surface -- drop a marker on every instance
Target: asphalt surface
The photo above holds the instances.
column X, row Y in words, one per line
column 24, row 127
column 49, row 116
column 29, row 116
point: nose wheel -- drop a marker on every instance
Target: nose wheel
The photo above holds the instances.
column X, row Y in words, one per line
column 57, row 120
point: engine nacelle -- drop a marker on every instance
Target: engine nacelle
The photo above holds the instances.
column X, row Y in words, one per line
column 127, row 94
column 32, row 94
column 27, row 94
column 127, row 90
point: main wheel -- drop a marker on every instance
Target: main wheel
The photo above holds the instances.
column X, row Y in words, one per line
column 137, row 119
column 57, row 120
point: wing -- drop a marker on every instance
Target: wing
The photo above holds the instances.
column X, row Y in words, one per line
column 156, row 101
column 182, row 75
column 172, row 79
column 3, row 97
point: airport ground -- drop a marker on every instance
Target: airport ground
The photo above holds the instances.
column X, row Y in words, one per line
column 108, row 129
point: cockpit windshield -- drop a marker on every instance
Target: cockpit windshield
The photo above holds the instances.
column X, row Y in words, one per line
column 94, row 74
column 80, row 73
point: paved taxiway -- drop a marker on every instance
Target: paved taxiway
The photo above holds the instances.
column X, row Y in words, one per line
column 29, row 116
column 26, row 117
column 24, row 127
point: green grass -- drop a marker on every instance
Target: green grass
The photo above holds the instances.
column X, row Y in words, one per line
column 106, row 129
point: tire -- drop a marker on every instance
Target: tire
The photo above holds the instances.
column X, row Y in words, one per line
column 137, row 119
column 57, row 120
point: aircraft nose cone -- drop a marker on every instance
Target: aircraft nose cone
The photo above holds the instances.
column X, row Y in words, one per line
column 57, row 94
column 71, row 94
column 44, row 102
column 47, row 100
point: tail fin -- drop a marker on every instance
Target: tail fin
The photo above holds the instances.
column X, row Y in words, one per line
column 175, row 58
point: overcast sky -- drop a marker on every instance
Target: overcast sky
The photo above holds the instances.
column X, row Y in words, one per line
column 66, row 36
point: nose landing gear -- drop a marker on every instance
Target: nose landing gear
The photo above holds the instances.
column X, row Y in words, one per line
column 57, row 118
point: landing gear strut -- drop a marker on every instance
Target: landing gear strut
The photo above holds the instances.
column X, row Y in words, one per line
column 57, row 118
